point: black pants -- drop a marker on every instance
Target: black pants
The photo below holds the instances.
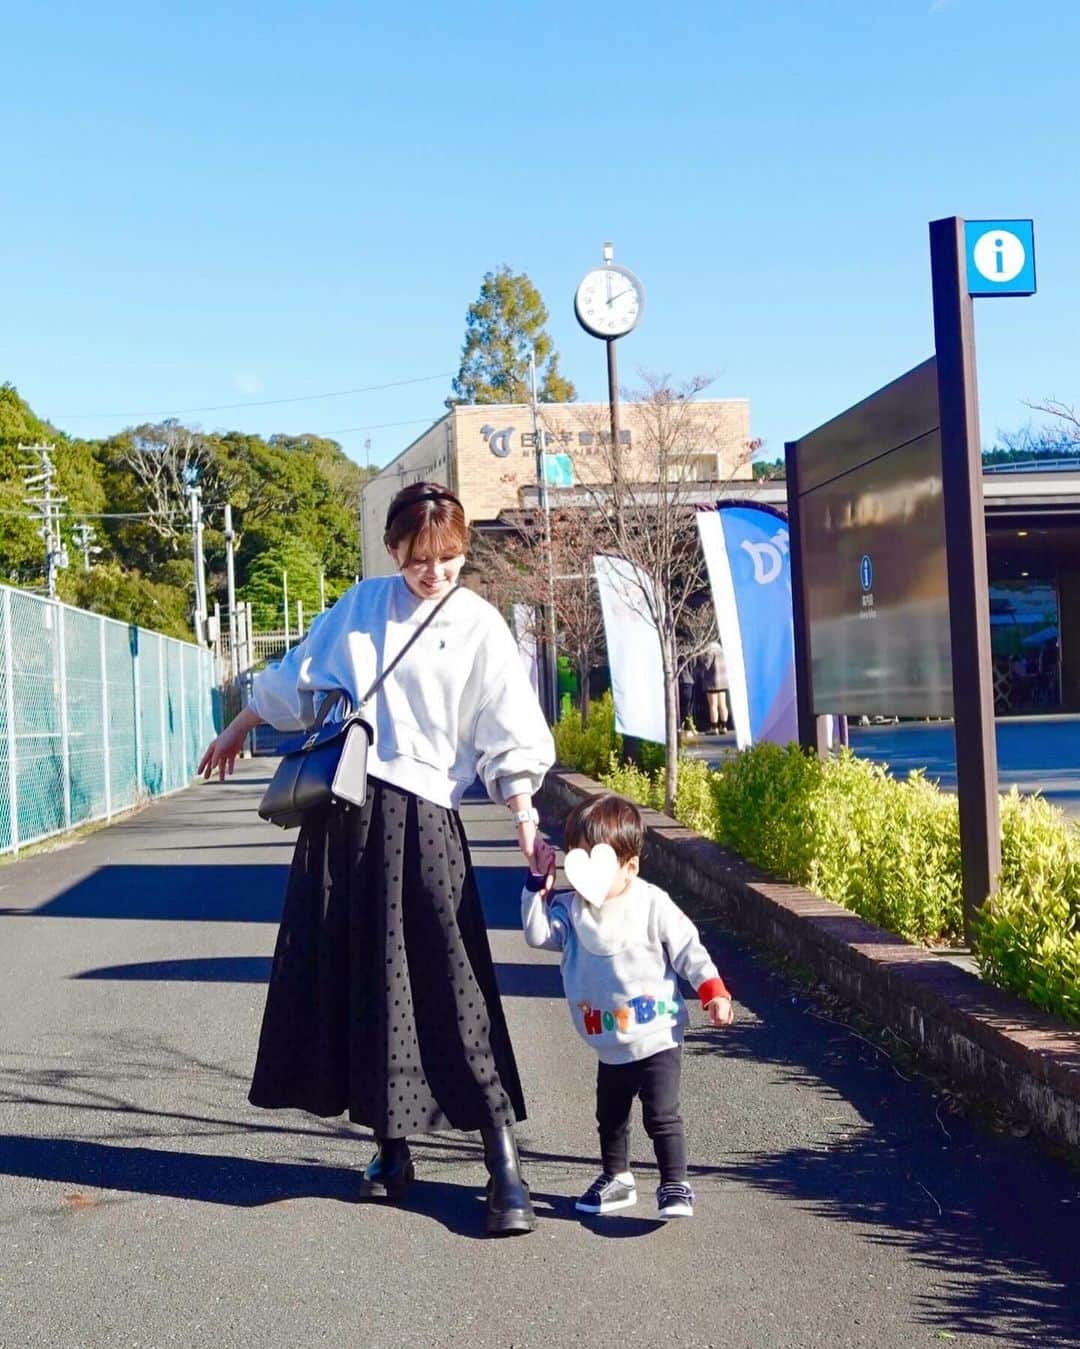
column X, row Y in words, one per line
column 656, row 1081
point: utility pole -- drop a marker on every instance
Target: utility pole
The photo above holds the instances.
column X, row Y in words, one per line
column 322, row 590
column 285, row 603
column 40, row 476
column 201, row 612
column 549, row 645
column 87, row 537
column 230, row 581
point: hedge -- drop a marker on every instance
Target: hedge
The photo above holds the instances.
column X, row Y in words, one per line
column 887, row 849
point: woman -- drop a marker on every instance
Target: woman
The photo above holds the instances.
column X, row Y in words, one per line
column 712, row 671
column 382, row 998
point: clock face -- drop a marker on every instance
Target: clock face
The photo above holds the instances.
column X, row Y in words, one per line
column 609, row 301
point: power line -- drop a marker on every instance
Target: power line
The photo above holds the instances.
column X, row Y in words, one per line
column 378, row 426
column 261, row 403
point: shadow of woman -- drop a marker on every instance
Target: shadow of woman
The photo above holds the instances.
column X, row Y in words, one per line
column 214, row 1178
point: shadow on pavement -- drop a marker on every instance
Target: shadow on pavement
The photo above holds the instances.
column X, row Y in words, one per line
column 992, row 1216
column 195, row 969
column 244, row 1183
column 244, row 893
column 515, row 981
column 179, row 1175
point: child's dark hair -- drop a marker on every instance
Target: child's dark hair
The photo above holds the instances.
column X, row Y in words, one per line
column 606, row 819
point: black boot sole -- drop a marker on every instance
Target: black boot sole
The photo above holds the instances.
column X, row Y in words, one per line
column 376, row 1189
column 512, row 1222
column 517, row 1222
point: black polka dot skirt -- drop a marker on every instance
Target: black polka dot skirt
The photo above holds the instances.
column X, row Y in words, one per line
column 382, row 1000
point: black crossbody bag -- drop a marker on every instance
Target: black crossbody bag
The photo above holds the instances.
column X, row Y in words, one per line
column 331, row 764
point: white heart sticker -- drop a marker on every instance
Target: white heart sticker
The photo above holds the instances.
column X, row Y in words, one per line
column 592, row 874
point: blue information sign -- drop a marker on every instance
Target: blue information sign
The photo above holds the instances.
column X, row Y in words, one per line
column 559, row 470
column 1000, row 257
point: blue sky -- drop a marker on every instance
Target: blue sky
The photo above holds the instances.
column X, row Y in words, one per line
column 216, row 204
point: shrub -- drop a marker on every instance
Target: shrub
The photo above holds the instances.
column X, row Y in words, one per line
column 647, row 789
column 1028, row 937
column 888, row 850
column 588, row 748
column 694, row 803
column 766, row 809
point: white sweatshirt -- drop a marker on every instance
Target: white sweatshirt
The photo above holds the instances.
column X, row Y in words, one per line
column 619, row 966
column 459, row 703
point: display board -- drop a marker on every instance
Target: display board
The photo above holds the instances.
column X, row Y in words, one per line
column 872, row 526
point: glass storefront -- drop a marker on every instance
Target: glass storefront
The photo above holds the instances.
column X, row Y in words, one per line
column 1024, row 642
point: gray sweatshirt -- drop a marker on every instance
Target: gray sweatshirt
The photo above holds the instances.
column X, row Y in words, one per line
column 620, row 965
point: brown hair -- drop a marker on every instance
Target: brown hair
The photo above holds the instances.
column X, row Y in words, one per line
column 606, row 819
column 429, row 516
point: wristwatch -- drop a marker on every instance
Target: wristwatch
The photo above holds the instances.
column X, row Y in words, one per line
column 529, row 816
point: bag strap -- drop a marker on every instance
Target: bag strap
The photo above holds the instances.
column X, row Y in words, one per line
column 389, row 669
column 329, row 702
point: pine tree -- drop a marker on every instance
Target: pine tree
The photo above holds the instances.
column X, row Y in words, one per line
column 503, row 326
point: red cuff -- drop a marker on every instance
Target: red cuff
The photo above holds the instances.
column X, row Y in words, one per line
column 712, row 988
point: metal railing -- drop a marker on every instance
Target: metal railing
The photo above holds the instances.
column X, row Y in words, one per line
column 95, row 716
column 1069, row 464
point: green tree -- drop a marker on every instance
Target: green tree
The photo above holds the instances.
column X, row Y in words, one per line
column 503, row 326
column 129, row 596
column 295, row 503
column 264, row 587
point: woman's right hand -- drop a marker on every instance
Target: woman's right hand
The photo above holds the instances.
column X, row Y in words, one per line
column 220, row 756
column 544, row 863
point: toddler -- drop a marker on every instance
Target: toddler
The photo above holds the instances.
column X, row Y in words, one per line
column 624, row 943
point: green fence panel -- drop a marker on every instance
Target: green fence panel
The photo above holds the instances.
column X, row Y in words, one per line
column 85, row 723
column 151, row 711
column 121, row 666
column 95, row 715
column 37, row 675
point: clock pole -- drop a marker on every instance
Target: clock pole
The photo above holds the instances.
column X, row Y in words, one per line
column 613, row 409
column 547, row 646
column 600, row 319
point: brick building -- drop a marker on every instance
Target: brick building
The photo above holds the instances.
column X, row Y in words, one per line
column 486, row 455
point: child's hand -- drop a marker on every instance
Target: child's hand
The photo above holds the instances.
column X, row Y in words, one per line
column 721, row 1012
column 544, row 863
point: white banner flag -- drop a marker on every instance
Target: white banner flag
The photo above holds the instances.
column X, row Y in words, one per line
column 633, row 647
column 524, row 620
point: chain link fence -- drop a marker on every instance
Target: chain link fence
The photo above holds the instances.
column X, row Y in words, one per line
column 95, row 716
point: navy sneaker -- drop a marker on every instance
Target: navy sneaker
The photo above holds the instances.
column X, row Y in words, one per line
column 607, row 1194
column 674, row 1199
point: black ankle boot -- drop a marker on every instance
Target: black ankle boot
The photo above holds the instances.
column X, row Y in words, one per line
column 390, row 1172
column 509, row 1208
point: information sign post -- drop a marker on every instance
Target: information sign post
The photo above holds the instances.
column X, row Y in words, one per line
column 966, row 258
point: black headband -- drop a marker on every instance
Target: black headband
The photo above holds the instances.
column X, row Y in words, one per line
column 433, row 495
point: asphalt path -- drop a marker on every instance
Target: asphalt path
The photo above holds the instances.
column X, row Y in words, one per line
column 143, row 1202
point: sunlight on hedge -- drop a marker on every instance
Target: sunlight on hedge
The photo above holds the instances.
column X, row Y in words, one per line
column 888, row 850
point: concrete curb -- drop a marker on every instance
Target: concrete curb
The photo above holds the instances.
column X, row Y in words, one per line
column 983, row 1037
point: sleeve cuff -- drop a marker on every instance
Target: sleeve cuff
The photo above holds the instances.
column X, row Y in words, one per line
column 712, row 988
column 534, row 884
column 519, row 786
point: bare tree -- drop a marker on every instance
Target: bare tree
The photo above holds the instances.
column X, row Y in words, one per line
column 1066, row 413
column 644, row 496
column 163, row 459
column 513, row 569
